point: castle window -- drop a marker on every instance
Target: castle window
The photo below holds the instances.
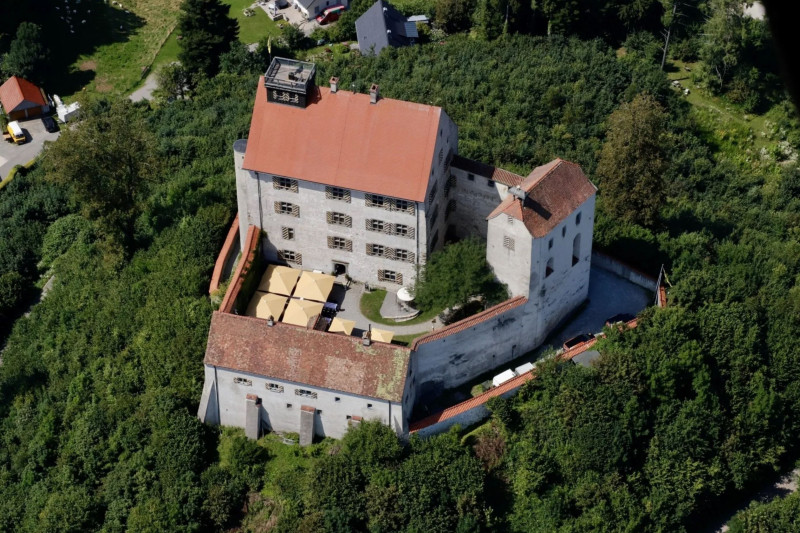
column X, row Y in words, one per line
column 337, row 193
column 288, row 406
column 306, row 393
column 337, row 399
column 375, row 225
column 470, row 176
column 287, row 233
column 577, row 219
column 375, row 249
column 403, row 255
column 549, row 269
column 339, row 219
column 403, row 230
column 449, row 184
column 508, row 242
column 340, row 243
column 319, row 411
column 286, row 208
column 243, row 381
column 402, row 205
column 434, row 216
column 291, row 256
column 274, row 387
column 432, row 193
column 390, row 276
column 441, row 150
column 285, row 184
column 550, row 244
column 374, row 200
column 564, row 231
column 369, row 406
column 576, row 249
column 451, row 206
column 490, row 183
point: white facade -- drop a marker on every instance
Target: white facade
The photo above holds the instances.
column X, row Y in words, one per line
column 315, row 7
column 317, row 227
column 225, row 395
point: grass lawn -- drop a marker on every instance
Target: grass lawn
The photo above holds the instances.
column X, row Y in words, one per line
column 406, row 340
column 721, row 119
column 131, row 41
column 371, row 308
column 252, row 29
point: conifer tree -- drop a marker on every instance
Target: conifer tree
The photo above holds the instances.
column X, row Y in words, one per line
column 206, row 33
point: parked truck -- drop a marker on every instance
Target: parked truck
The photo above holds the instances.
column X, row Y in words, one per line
column 17, row 135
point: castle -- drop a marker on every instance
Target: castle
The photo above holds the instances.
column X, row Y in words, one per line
column 334, row 181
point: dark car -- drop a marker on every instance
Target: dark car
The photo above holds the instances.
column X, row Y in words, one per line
column 50, row 124
column 621, row 317
column 576, row 340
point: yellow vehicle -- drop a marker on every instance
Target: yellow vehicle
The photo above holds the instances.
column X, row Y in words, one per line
column 17, row 135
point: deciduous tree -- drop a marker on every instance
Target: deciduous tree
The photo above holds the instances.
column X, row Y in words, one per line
column 633, row 161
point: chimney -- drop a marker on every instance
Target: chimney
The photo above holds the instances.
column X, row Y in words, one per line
column 270, row 321
column 334, row 84
column 365, row 339
column 517, row 192
column 373, row 94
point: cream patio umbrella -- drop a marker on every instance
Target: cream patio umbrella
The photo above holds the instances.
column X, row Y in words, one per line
column 314, row 286
column 299, row 312
column 382, row 335
column 342, row 325
column 279, row 280
column 266, row 304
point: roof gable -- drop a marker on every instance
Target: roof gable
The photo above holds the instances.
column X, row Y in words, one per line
column 381, row 26
column 18, row 93
column 305, row 356
column 340, row 139
column 553, row 192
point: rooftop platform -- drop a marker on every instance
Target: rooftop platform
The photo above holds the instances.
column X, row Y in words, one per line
column 289, row 74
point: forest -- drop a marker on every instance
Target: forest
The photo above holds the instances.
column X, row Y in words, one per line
column 99, row 384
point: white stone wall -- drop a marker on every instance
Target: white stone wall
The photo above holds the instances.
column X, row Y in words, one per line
column 508, row 252
column 556, row 295
column 446, row 146
column 458, row 358
column 475, row 198
column 333, row 407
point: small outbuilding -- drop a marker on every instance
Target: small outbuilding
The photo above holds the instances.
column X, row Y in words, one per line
column 22, row 99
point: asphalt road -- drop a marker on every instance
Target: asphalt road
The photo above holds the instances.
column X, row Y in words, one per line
column 18, row 154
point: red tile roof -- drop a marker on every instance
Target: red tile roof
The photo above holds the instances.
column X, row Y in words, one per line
column 469, row 322
column 16, row 91
column 230, row 240
column 341, row 139
column 245, row 262
column 554, row 191
column 307, row 356
column 487, row 171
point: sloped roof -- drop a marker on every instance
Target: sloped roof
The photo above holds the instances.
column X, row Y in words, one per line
column 307, row 356
column 17, row 93
column 553, row 192
column 487, row 171
column 341, row 139
column 381, row 26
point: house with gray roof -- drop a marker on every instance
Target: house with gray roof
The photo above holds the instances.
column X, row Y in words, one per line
column 381, row 26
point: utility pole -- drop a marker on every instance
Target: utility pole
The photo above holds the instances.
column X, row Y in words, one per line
column 669, row 31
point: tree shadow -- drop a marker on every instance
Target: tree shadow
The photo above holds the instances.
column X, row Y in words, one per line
column 71, row 30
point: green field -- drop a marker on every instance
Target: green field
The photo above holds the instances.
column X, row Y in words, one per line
column 371, row 308
column 252, row 29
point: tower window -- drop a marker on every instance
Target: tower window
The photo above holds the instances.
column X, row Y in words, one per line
column 576, row 249
column 549, row 269
column 577, row 219
column 550, row 244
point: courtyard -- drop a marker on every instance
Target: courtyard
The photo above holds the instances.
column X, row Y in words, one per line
column 19, row 154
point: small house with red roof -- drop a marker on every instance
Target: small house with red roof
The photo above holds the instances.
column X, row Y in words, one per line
column 22, row 99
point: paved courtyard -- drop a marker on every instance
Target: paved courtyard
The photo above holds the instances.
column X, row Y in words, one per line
column 19, row 154
column 609, row 295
